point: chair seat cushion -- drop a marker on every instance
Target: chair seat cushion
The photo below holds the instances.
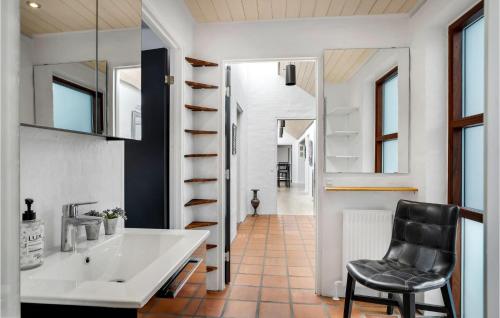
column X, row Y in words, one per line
column 392, row 276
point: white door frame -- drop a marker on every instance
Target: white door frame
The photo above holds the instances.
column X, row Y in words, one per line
column 492, row 158
column 9, row 158
column 317, row 151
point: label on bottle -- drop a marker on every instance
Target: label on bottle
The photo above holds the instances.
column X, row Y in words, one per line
column 31, row 244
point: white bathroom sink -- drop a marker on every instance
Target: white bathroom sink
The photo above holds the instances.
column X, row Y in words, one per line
column 124, row 270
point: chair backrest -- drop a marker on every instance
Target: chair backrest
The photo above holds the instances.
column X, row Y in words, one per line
column 423, row 236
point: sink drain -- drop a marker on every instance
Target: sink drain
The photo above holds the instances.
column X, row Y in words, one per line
column 117, row 280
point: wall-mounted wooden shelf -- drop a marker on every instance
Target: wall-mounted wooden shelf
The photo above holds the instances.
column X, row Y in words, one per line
column 386, row 189
column 200, row 132
column 343, row 133
column 211, row 246
column 200, row 155
column 194, row 202
column 200, row 180
column 200, row 63
column 196, row 85
column 211, row 268
column 343, row 157
column 342, row 110
column 196, row 108
column 198, row 224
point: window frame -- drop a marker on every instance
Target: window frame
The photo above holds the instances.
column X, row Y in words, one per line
column 97, row 102
column 379, row 118
column 456, row 125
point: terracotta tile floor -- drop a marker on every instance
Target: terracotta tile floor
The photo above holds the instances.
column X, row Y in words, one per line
column 272, row 270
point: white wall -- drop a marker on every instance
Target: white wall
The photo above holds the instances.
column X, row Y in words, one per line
column 309, row 136
column 239, row 97
column 61, row 168
column 267, row 100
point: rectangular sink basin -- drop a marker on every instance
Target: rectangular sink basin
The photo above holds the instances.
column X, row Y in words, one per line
column 122, row 271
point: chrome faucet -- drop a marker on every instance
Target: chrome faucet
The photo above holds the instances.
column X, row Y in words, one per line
column 70, row 221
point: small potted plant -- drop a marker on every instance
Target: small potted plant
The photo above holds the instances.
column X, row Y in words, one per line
column 111, row 219
column 93, row 229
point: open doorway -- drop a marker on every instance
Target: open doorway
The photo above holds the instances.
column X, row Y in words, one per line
column 282, row 236
column 296, row 139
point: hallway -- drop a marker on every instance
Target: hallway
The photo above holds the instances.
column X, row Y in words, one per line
column 295, row 201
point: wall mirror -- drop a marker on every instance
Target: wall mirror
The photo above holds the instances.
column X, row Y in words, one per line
column 80, row 67
column 367, row 109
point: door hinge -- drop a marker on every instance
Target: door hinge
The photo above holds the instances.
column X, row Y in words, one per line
column 228, row 174
column 169, row 79
column 227, row 257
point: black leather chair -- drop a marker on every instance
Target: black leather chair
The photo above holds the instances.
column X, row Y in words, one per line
column 421, row 257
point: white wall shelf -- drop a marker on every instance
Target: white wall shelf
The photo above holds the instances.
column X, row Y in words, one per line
column 343, row 157
column 343, row 133
column 340, row 111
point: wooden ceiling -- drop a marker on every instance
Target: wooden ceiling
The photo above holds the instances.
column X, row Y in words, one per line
column 305, row 75
column 297, row 127
column 250, row 10
column 57, row 16
column 341, row 65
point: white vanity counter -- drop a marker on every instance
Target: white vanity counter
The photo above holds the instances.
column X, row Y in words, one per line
column 123, row 271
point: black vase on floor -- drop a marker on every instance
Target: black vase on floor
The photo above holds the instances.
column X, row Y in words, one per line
column 255, row 201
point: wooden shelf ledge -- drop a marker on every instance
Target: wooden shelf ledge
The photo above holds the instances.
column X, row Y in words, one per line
column 200, row 180
column 198, row 224
column 200, row 132
column 366, row 189
column 196, row 85
column 200, row 63
column 200, row 155
column 194, row 202
column 196, row 108
column 211, row 246
column 211, row 268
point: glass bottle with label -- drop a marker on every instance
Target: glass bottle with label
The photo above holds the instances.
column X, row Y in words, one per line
column 32, row 235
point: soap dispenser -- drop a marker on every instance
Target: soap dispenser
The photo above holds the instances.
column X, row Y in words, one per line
column 32, row 235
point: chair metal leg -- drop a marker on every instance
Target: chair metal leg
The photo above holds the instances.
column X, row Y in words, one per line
column 448, row 300
column 390, row 309
column 349, row 292
column 408, row 306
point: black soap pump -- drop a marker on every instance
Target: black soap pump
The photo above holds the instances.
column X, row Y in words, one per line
column 29, row 215
column 32, row 234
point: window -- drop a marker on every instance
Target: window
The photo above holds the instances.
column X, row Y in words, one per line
column 386, row 123
column 466, row 156
column 74, row 107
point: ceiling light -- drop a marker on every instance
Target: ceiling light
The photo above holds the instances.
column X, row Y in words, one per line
column 33, row 5
column 290, row 75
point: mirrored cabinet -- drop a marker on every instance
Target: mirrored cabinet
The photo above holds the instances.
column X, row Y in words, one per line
column 81, row 67
column 367, row 107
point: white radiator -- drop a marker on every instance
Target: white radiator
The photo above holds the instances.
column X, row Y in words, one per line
column 366, row 234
